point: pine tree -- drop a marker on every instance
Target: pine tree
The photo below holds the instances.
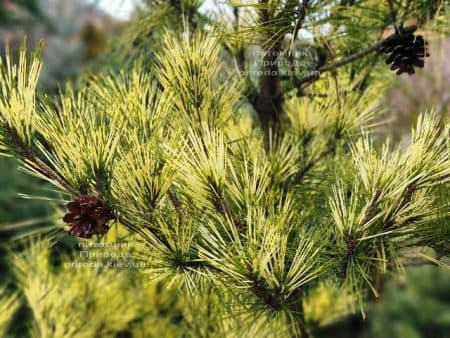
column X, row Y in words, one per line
column 241, row 153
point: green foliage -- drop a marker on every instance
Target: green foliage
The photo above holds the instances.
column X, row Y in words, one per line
column 73, row 302
column 16, row 184
column 9, row 17
column 250, row 218
column 390, row 205
column 78, row 297
column 8, row 306
column 415, row 307
column 18, row 98
column 200, row 87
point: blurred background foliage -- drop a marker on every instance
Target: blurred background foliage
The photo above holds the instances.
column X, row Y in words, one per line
column 78, row 39
column 414, row 305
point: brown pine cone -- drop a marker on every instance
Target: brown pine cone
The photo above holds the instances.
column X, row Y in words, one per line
column 405, row 50
column 88, row 216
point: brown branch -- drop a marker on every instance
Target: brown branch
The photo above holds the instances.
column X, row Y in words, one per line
column 176, row 201
column 223, row 208
column 186, row 13
column 371, row 209
column 392, row 12
column 330, row 149
column 259, row 289
column 240, row 55
column 315, row 75
column 26, row 154
column 43, row 169
column 275, row 300
column 268, row 103
column 301, row 17
column 404, row 200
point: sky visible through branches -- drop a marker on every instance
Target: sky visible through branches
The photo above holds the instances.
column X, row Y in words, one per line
column 123, row 9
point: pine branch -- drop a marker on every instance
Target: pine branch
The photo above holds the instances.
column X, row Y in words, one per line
column 298, row 25
column 268, row 101
column 42, row 168
column 36, row 163
column 314, row 76
column 404, row 200
column 371, row 209
column 329, row 150
column 141, row 232
column 268, row 297
column 392, row 11
column 189, row 14
column 240, row 55
column 311, row 164
column 301, row 18
column 223, row 208
column 176, row 201
column 274, row 300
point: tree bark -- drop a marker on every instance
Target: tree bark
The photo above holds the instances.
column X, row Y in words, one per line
column 268, row 103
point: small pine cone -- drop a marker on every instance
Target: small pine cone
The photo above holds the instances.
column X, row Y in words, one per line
column 88, row 216
column 405, row 50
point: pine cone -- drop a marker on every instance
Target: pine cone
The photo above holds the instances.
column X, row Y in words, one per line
column 405, row 50
column 88, row 216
